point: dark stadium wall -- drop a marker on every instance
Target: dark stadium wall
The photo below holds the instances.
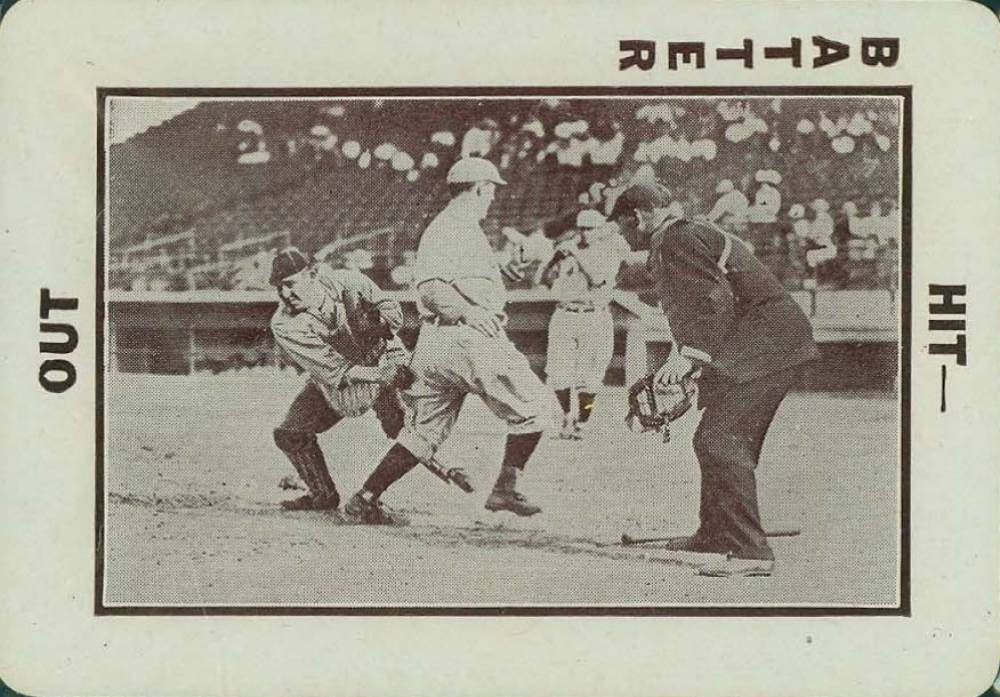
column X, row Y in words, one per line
column 182, row 338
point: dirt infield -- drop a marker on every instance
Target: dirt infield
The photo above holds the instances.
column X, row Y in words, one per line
column 192, row 515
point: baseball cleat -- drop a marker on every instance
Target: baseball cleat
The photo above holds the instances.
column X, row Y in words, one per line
column 372, row 512
column 510, row 501
column 309, row 502
column 736, row 567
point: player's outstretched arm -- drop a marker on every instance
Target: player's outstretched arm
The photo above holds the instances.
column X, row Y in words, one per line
column 308, row 350
column 389, row 308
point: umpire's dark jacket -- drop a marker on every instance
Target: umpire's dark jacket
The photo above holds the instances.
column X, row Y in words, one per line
column 724, row 306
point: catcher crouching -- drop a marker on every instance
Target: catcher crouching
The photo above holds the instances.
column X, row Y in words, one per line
column 335, row 325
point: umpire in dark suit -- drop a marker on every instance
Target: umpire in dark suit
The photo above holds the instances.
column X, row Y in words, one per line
column 732, row 319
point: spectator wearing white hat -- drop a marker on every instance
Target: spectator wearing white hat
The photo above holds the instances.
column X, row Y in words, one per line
column 480, row 139
column 797, row 240
column 854, row 228
column 823, row 250
column 763, row 215
column 732, row 208
column 821, row 229
column 767, row 199
column 800, row 226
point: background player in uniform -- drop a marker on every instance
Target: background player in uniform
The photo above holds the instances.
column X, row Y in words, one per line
column 734, row 321
column 589, row 252
column 463, row 348
column 335, row 325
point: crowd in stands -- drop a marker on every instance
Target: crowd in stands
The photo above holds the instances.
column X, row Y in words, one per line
column 203, row 200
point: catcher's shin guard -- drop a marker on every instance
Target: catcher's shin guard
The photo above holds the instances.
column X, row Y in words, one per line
column 303, row 451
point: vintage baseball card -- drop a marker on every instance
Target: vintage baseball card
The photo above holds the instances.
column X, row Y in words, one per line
column 461, row 348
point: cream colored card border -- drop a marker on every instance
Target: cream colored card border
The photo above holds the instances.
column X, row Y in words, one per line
column 55, row 54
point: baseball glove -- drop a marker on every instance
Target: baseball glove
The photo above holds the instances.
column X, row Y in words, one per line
column 369, row 328
column 652, row 406
column 387, row 406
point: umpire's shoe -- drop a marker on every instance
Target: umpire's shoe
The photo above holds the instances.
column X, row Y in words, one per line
column 508, row 500
column 368, row 510
column 313, row 502
column 737, row 567
column 703, row 543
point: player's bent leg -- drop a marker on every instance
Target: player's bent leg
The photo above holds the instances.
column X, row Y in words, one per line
column 365, row 506
column 512, row 391
column 432, row 415
column 303, row 451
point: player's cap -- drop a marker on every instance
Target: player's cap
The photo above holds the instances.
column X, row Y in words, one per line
column 287, row 262
column 643, row 196
column 797, row 211
column 588, row 219
column 820, row 204
column 470, row 170
column 724, row 187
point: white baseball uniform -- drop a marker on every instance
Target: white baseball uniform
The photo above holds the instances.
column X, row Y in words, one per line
column 452, row 360
column 581, row 331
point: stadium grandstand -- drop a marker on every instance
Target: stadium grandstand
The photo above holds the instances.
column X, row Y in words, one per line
column 203, row 199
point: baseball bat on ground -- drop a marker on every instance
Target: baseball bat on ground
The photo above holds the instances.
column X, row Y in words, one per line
column 628, row 540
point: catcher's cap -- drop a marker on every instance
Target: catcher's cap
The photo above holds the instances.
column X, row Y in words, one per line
column 469, row 170
column 287, row 262
column 724, row 187
column 588, row 219
column 643, row 196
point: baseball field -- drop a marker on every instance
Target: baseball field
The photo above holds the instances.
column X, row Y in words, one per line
column 192, row 515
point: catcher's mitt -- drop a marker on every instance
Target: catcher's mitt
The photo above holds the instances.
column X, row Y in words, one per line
column 652, row 406
column 387, row 406
column 369, row 328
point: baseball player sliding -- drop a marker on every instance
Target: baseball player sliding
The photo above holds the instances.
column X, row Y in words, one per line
column 335, row 325
column 463, row 348
column 589, row 252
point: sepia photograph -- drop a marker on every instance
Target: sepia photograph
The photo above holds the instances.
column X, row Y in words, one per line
column 503, row 351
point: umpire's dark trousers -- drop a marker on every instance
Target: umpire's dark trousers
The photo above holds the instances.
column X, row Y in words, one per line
column 727, row 443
